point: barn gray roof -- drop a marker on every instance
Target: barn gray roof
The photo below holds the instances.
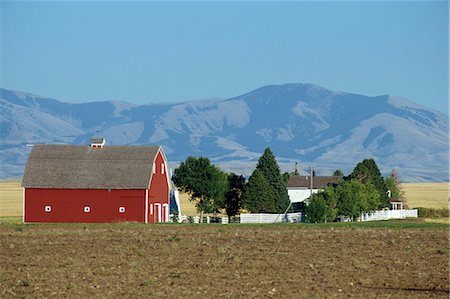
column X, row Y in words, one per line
column 319, row 182
column 84, row 167
column 97, row 140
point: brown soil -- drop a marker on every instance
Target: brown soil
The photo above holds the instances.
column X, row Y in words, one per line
column 206, row 261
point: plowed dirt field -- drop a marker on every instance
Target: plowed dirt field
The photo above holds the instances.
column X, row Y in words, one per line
column 235, row 261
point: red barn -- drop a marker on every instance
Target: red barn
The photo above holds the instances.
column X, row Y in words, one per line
column 97, row 183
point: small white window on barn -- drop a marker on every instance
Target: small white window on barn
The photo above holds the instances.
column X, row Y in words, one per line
column 48, row 209
column 121, row 209
column 154, row 168
column 162, row 168
column 87, row 209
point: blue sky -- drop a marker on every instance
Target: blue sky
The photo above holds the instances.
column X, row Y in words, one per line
column 145, row 52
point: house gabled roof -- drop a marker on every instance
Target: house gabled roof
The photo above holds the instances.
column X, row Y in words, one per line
column 395, row 200
column 84, row 167
column 319, row 182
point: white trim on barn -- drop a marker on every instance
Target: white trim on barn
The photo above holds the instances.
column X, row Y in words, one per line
column 146, row 206
column 23, row 205
column 165, row 208
column 157, row 212
column 166, row 173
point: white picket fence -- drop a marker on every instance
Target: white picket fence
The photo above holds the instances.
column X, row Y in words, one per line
column 389, row 214
column 270, row 218
column 297, row 217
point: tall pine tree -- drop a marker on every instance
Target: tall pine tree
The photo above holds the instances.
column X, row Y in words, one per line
column 268, row 167
column 258, row 196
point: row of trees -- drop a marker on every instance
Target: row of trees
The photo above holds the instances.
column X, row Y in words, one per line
column 364, row 190
column 213, row 190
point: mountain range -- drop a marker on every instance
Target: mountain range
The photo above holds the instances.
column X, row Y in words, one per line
column 302, row 123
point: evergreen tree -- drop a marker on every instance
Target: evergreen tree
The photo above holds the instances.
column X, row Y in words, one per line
column 233, row 197
column 338, row 172
column 205, row 183
column 286, row 177
column 258, row 196
column 268, row 167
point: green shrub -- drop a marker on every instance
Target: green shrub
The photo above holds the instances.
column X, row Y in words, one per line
column 316, row 210
column 433, row 213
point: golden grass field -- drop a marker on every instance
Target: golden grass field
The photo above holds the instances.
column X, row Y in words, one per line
column 427, row 195
column 11, row 198
column 187, row 207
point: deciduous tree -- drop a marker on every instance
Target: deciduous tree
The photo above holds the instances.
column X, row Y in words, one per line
column 323, row 206
column 331, row 199
column 393, row 184
column 368, row 172
column 205, row 183
column 355, row 198
column 316, row 210
column 233, row 196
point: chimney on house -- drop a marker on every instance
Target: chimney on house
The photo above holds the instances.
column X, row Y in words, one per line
column 98, row 142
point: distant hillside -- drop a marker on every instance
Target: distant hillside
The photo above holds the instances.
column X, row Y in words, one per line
column 301, row 123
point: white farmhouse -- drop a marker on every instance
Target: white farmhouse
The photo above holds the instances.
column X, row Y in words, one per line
column 300, row 189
